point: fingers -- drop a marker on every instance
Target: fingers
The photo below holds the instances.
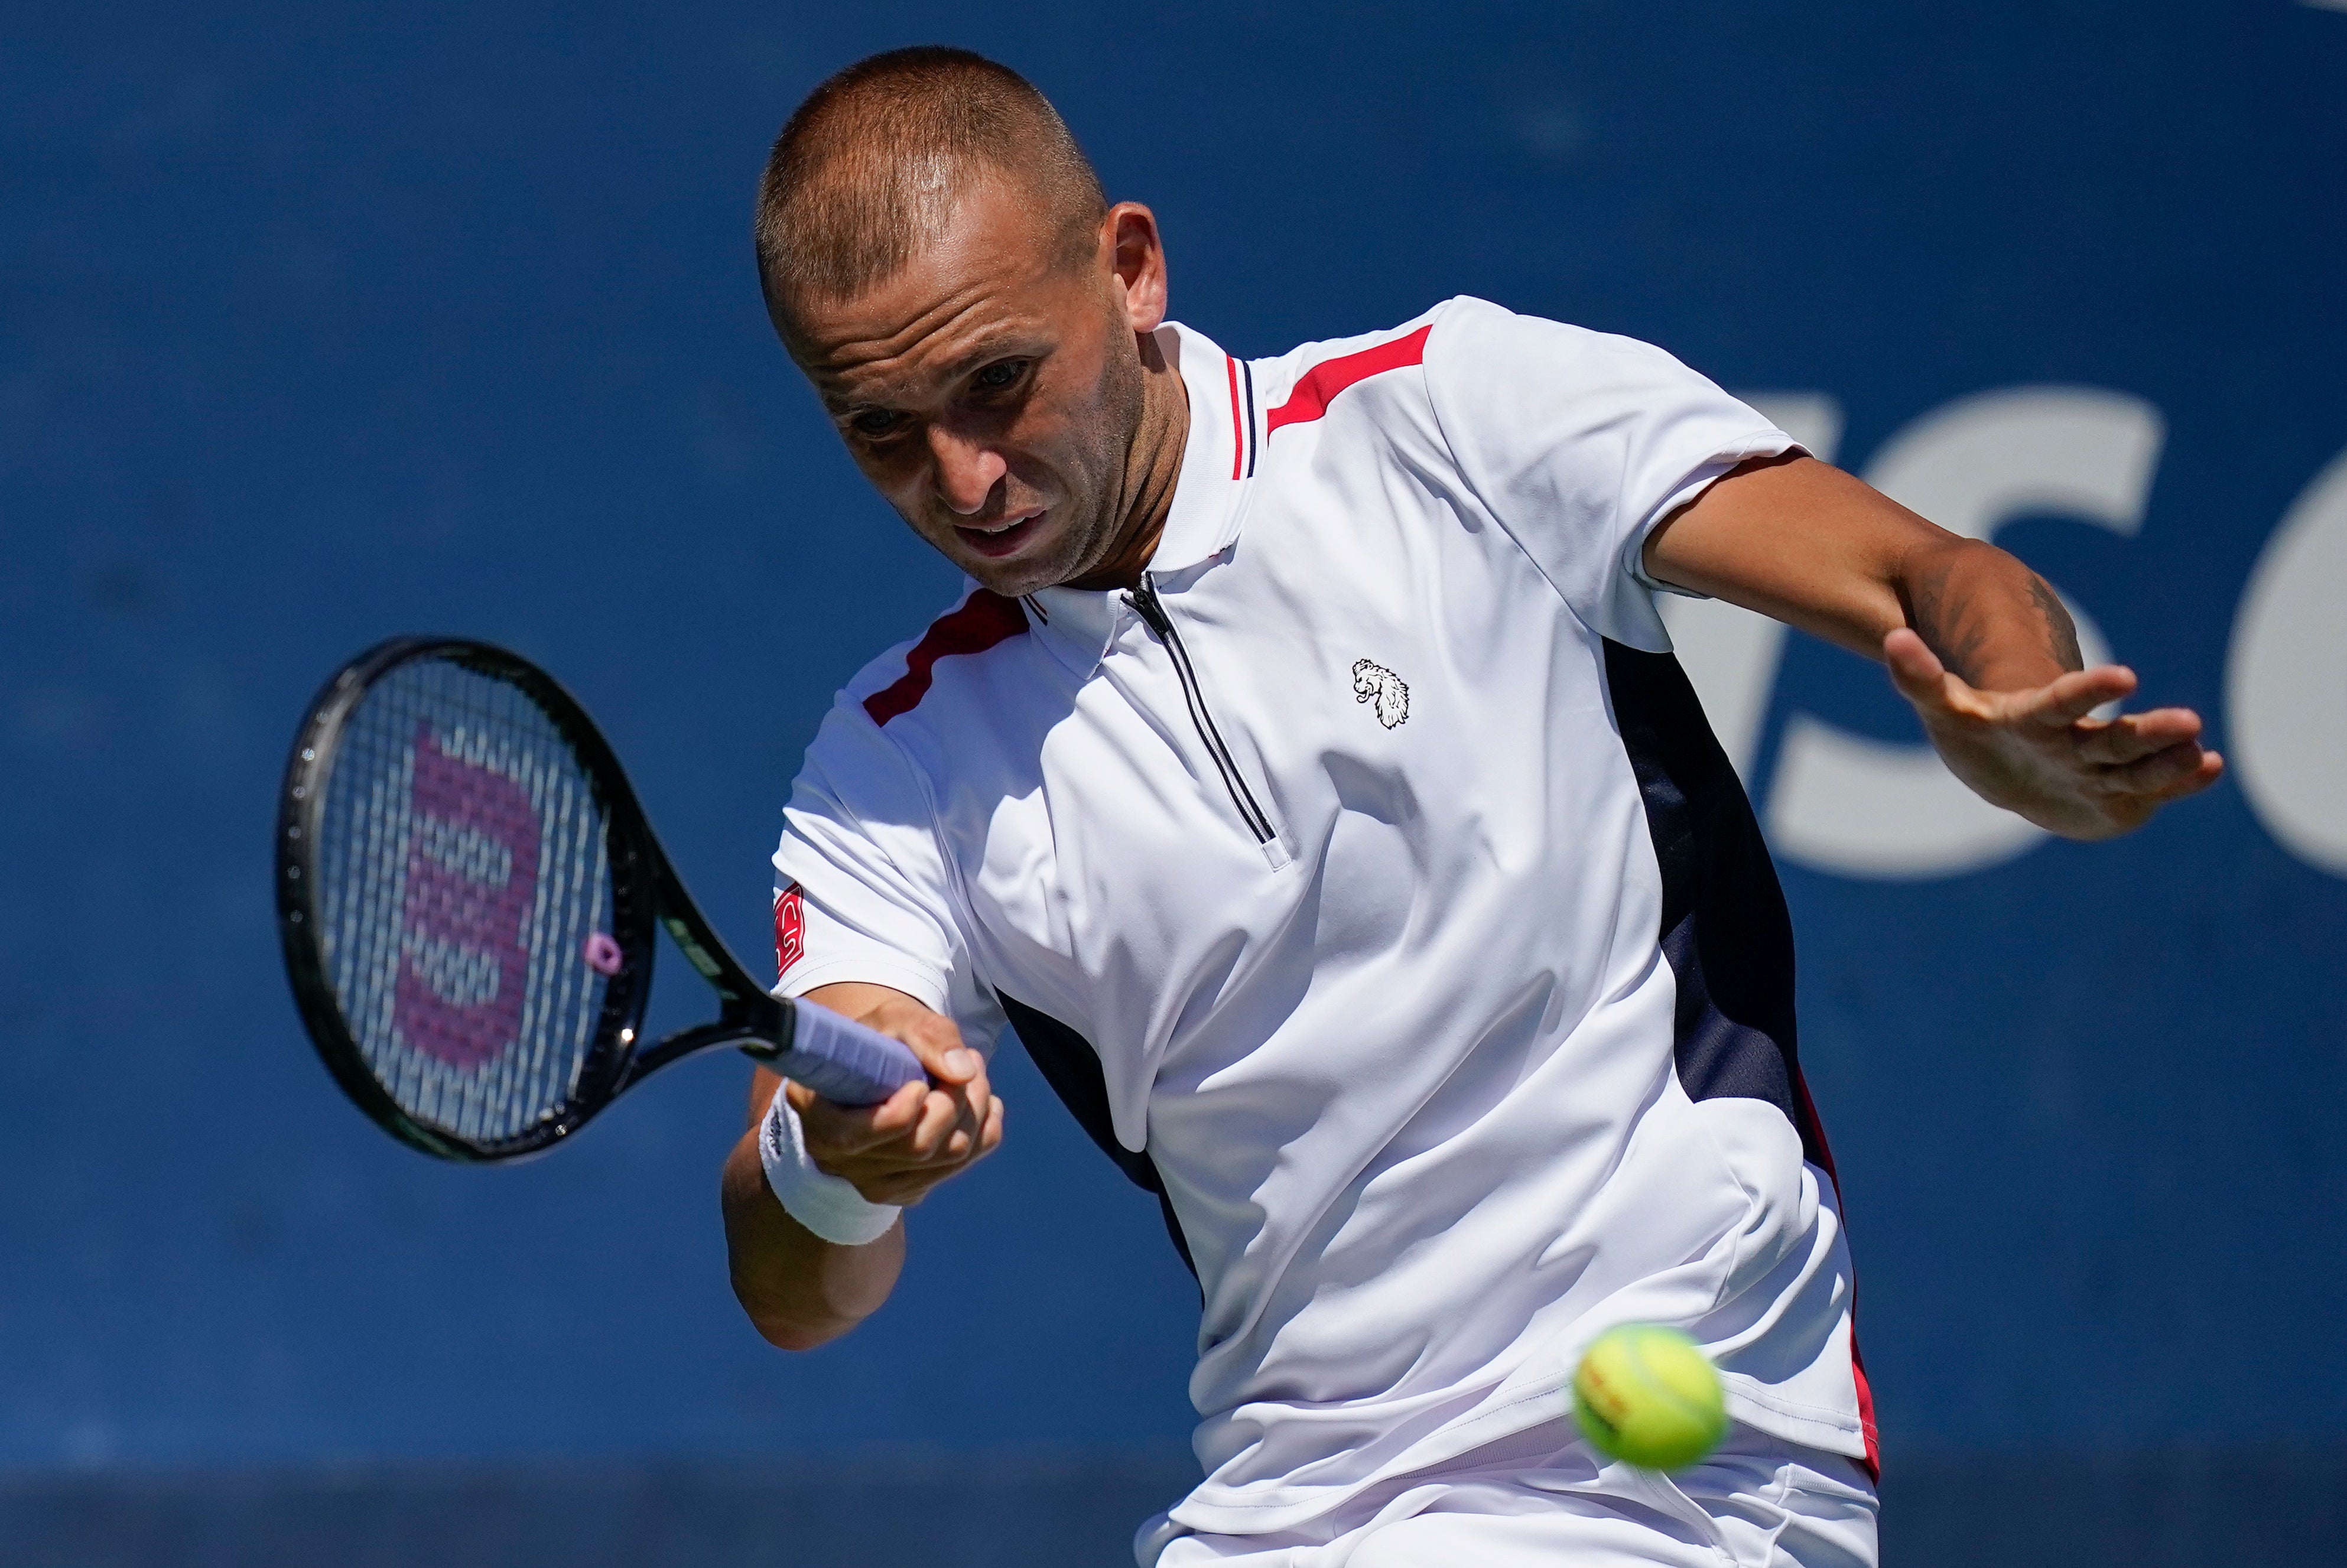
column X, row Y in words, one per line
column 929, row 1129
column 1936, row 691
column 833, row 1128
column 2153, row 757
column 948, row 1127
column 896, row 1151
column 1924, row 681
column 2070, row 698
column 935, row 1040
column 911, row 1183
column 914, row 1110
column 2169, row 773
column 2133, row 736
column 2211, row 769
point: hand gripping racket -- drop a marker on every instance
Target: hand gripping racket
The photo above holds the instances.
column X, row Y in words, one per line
column 467, row 892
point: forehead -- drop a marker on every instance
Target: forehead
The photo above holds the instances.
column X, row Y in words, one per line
column 991, row 281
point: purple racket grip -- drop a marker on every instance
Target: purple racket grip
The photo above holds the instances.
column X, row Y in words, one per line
column 843, row 1061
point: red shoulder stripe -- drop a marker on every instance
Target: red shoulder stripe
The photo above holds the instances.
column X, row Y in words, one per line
column 976, row 624
column 1331, row 377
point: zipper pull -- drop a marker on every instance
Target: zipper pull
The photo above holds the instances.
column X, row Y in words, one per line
column 1151, row 611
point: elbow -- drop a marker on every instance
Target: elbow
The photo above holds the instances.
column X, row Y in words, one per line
column 784, row 1336
column 792, row 1336
column 799, row 1292
column 784, row 1328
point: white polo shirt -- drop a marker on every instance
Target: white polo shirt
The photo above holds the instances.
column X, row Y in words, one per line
column 1371, row 887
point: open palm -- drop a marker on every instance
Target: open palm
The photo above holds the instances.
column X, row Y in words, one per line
column 2044, row 754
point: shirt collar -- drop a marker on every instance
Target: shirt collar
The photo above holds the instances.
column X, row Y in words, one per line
column 1207, row 498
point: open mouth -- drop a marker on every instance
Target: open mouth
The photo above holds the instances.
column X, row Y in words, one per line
column 1001, row 538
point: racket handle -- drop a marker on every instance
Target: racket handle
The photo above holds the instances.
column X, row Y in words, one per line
column 843, row 1061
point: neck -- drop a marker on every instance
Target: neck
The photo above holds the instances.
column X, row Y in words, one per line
column 1152, row 470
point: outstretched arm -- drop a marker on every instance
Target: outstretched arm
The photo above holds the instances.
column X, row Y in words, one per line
column 1974, row 640
column 800, row 1290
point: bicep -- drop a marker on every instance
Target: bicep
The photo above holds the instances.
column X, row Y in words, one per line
column 1800, row 541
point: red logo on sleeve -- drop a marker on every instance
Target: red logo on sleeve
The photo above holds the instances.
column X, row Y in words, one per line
column 790, row 930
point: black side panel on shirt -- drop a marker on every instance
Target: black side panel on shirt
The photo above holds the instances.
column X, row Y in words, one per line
column 1725, row 931
column 1072, row 1067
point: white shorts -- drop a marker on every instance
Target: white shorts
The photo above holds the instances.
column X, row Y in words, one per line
column 1758, row 1502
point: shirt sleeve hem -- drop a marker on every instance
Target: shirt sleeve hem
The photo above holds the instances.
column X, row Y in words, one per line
column 1771, row 442
column 923, row 986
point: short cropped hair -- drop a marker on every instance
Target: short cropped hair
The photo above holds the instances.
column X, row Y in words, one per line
column 867, row 170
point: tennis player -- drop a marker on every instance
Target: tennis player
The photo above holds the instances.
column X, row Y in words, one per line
column 1305, row 777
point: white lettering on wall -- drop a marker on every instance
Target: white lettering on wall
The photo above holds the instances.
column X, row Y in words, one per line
column 2286, row 678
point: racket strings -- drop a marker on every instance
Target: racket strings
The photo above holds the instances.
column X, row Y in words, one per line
column 463, row 868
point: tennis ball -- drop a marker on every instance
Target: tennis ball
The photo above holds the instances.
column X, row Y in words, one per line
column 1647, row 1397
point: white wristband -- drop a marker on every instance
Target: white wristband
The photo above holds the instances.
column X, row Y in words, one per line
column 827, row 1204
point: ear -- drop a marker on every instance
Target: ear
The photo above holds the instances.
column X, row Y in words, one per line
column 1129, row 233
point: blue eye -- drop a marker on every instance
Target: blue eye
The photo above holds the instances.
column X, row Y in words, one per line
column 874, row 421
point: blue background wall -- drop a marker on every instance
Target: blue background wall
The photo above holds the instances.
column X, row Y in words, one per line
column 319, row 325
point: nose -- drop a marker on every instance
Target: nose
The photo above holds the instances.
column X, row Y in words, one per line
column 967, row 471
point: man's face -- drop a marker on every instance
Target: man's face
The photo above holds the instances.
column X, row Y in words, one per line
column 991, row 390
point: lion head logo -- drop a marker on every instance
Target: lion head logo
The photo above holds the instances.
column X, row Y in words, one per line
column 1373, row 682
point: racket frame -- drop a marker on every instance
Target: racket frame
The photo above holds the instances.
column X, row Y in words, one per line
column 646, row 895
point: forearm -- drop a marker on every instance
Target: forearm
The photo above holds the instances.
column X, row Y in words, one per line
column 799, row 1290
column 1974, row 640
column 1809, row 545
column 1988, row 618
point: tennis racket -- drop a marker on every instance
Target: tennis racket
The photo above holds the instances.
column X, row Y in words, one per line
column 467, row 894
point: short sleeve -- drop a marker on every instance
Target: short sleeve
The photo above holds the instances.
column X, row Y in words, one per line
column 1579, row 443
column 861, row 890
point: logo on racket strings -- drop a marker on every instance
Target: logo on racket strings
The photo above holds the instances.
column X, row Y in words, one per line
column 472, row 881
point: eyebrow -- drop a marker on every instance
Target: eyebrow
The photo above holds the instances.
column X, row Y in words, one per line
column 977, row 359
column 987, row 355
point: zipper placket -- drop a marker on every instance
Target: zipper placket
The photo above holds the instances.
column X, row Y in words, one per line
column 1151, row 611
